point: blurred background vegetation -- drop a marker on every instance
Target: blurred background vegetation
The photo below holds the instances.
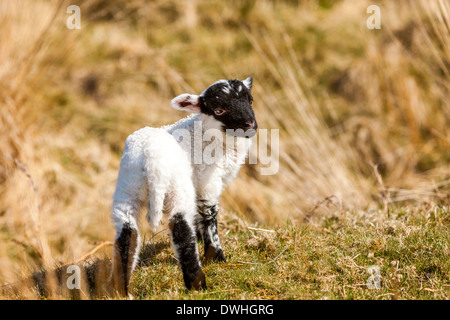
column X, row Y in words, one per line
column 363, row 114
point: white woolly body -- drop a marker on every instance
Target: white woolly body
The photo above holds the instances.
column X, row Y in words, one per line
column 161, row 172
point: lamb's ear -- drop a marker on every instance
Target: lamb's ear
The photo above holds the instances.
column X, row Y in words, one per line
column 186, row 102
column 248, row 83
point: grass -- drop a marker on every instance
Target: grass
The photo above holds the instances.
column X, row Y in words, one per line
column 410, row 248
column 363, row 139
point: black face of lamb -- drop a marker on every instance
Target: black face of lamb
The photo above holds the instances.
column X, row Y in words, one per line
column 235, row 99
column 206, row 225
column 184, row 243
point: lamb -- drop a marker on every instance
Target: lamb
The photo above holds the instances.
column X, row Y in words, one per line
column 166, row 169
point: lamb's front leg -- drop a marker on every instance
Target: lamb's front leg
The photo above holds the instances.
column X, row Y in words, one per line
column 206, row 225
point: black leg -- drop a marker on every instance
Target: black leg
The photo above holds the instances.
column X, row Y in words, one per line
column 185, row 248
column 206, row 225
column 125, row 255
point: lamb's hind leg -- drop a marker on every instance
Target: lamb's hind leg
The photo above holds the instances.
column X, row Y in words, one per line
column 206, row 225
column 126, row 249
column 185, row 247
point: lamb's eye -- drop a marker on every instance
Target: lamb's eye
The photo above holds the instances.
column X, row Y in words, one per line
column 219, row 111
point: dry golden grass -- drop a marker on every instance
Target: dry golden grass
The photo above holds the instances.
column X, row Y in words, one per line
column 362, row 114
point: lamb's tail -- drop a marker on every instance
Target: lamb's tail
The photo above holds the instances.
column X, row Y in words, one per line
column 155, row 208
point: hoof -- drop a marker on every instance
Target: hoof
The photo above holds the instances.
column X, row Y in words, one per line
column 199, row 282
column 220, row 257
column 214, row 254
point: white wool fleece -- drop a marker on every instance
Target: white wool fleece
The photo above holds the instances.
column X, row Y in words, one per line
column 158, row 171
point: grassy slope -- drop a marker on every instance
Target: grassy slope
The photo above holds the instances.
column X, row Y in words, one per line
column 410, row 247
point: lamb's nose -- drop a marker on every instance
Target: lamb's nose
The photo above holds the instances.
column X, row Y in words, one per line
column 250, row 124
